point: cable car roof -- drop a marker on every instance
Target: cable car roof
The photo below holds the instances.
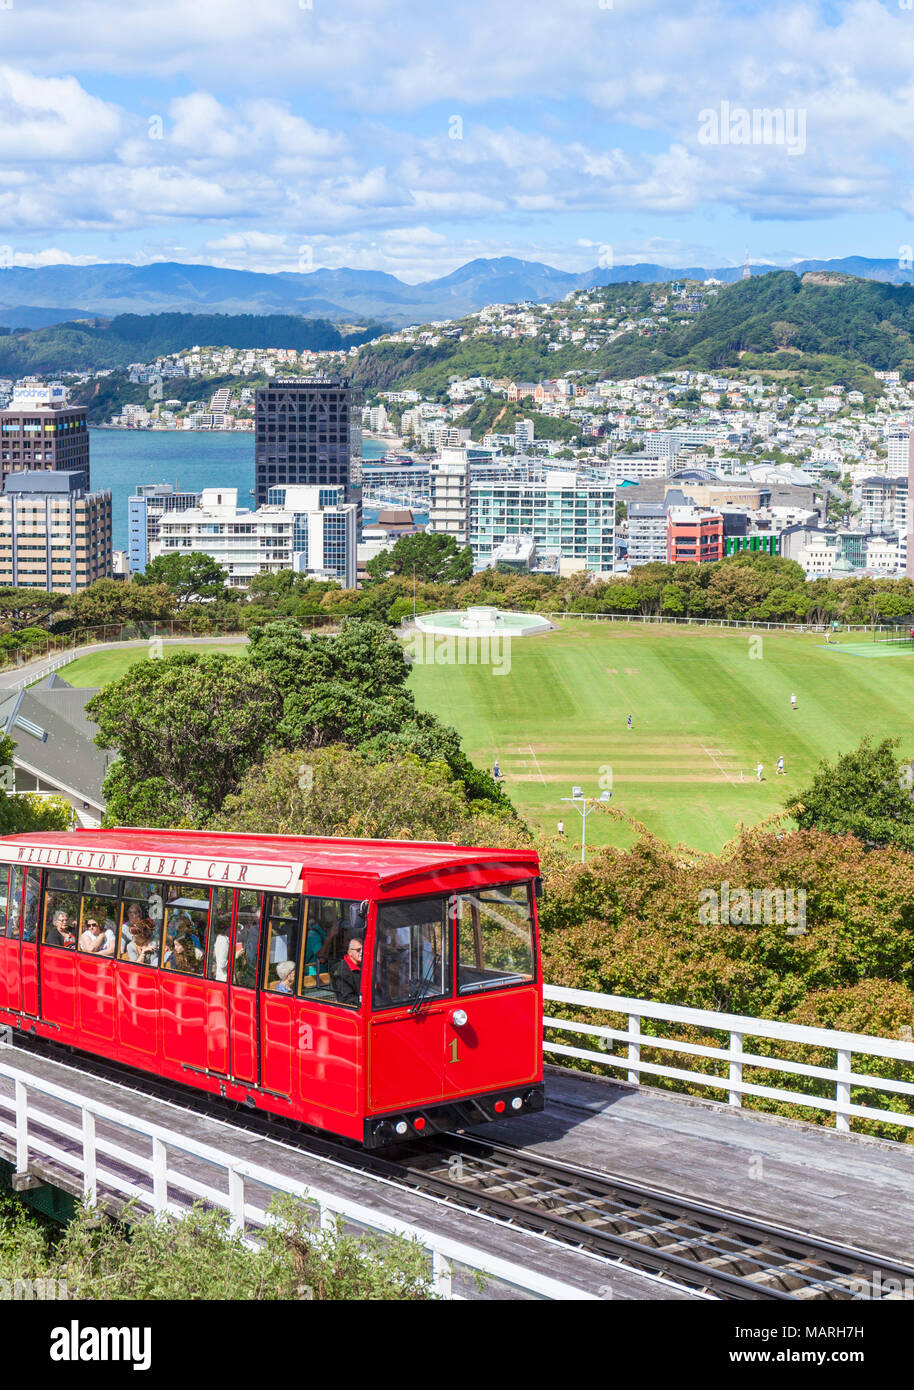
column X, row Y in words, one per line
column 383, row 861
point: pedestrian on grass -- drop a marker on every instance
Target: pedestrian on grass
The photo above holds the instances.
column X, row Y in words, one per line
column 629, row 721
column 793, row 702
column 780, row 772
column 758, row 771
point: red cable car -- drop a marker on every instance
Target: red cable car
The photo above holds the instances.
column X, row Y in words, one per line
column 374, row 988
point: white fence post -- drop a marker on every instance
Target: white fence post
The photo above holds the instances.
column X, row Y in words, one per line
column 90, row 1176
column 159, row 1175
column 843, row 1092
column 634, row 1049
column 22, row 1127
column 735, row 1070
column 441, row 1273
column 236, row 1199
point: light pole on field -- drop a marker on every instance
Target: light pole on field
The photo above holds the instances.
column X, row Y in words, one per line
column 586, row 805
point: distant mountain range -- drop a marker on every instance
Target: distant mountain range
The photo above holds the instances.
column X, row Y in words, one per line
column 36, row 298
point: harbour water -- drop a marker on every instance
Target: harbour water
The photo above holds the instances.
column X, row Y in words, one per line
column 189, row 459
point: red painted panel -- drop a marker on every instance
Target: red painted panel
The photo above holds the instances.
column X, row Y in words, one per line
column 96, row 997
column 407, row 1057
column 499, row 1045
column 9, row 973
column 58, row 985
column 279, row 1042
column 330, row 1053
column 28, row 966
column 138, row 1007
column 217, row 1028
column 183, row 1001
column 244, row 1034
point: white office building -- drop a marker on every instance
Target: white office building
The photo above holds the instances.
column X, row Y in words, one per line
column 312, row 530
column 449, row 485
column 898, row 444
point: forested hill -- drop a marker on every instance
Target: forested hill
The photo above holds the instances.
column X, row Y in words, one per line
column 833, row 326
column 92, row 344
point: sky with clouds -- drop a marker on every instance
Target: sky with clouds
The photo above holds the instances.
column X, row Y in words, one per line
column 408, row 137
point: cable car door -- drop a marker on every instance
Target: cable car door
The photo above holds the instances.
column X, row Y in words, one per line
column 28, row 944
column 244, row 995
column 10, row 945
column 411, row 985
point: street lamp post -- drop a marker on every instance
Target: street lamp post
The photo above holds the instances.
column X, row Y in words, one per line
column 577, row 798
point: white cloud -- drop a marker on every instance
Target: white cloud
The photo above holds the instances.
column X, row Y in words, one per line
column 299, row 123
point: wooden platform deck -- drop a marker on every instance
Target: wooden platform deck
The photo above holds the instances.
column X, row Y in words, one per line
column 582, row 1271
column 845, row 1188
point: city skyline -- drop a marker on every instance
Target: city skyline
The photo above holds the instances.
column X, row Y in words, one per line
column 291, row 136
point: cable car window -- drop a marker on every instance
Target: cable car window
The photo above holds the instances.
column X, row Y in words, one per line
column 63, row 882
column 14, row 903
column 412, row 952
column 4, row 896
column 494, row 938
column 247, row 938
column 98, row 925
column 186, row 920
column 221, row 935
column 100, row 885
column 283, row 936
column 331, row 925
column 140, row 927
column 61, row 910
column 30, row 893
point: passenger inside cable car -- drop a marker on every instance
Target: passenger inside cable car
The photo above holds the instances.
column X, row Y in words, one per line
column 346, row 975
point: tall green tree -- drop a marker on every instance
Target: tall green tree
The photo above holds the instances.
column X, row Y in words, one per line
column 867, row 793
column 339, row 791
column 187, row 729
column 431, row 557
column 189, row 577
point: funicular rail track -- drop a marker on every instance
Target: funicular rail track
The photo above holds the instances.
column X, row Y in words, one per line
column 707, row 1249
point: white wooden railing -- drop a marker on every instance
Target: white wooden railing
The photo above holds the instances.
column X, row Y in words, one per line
column 733, row 1056
column 103, row 1162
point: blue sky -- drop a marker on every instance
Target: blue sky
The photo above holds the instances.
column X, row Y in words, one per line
column 400, row 136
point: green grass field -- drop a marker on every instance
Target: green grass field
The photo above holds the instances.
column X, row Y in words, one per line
column 707, row 705
column 103, row 667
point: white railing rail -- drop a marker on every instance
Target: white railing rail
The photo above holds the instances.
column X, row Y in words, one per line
column 733, row 1057
column 100, row 1161
column 800, row 625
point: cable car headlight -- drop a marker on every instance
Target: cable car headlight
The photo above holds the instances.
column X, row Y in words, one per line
column 517, row 1103
column 401, row 1127
column 459, row 1018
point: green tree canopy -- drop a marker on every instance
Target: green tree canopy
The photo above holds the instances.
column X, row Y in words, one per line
column 866, row 793
column 432, row 557
column 113, row 601
column 187, row 728
column 340, row 791
column 189, row 577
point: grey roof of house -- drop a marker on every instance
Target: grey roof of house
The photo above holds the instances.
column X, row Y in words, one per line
column 55, row 739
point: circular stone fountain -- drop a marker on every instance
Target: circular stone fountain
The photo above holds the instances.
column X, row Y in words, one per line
column 482, row 621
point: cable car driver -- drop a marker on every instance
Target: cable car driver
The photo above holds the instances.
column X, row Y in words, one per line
column 346, row 975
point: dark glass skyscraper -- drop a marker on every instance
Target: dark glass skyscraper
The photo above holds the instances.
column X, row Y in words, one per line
column 54, row 437
column 308, row 432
